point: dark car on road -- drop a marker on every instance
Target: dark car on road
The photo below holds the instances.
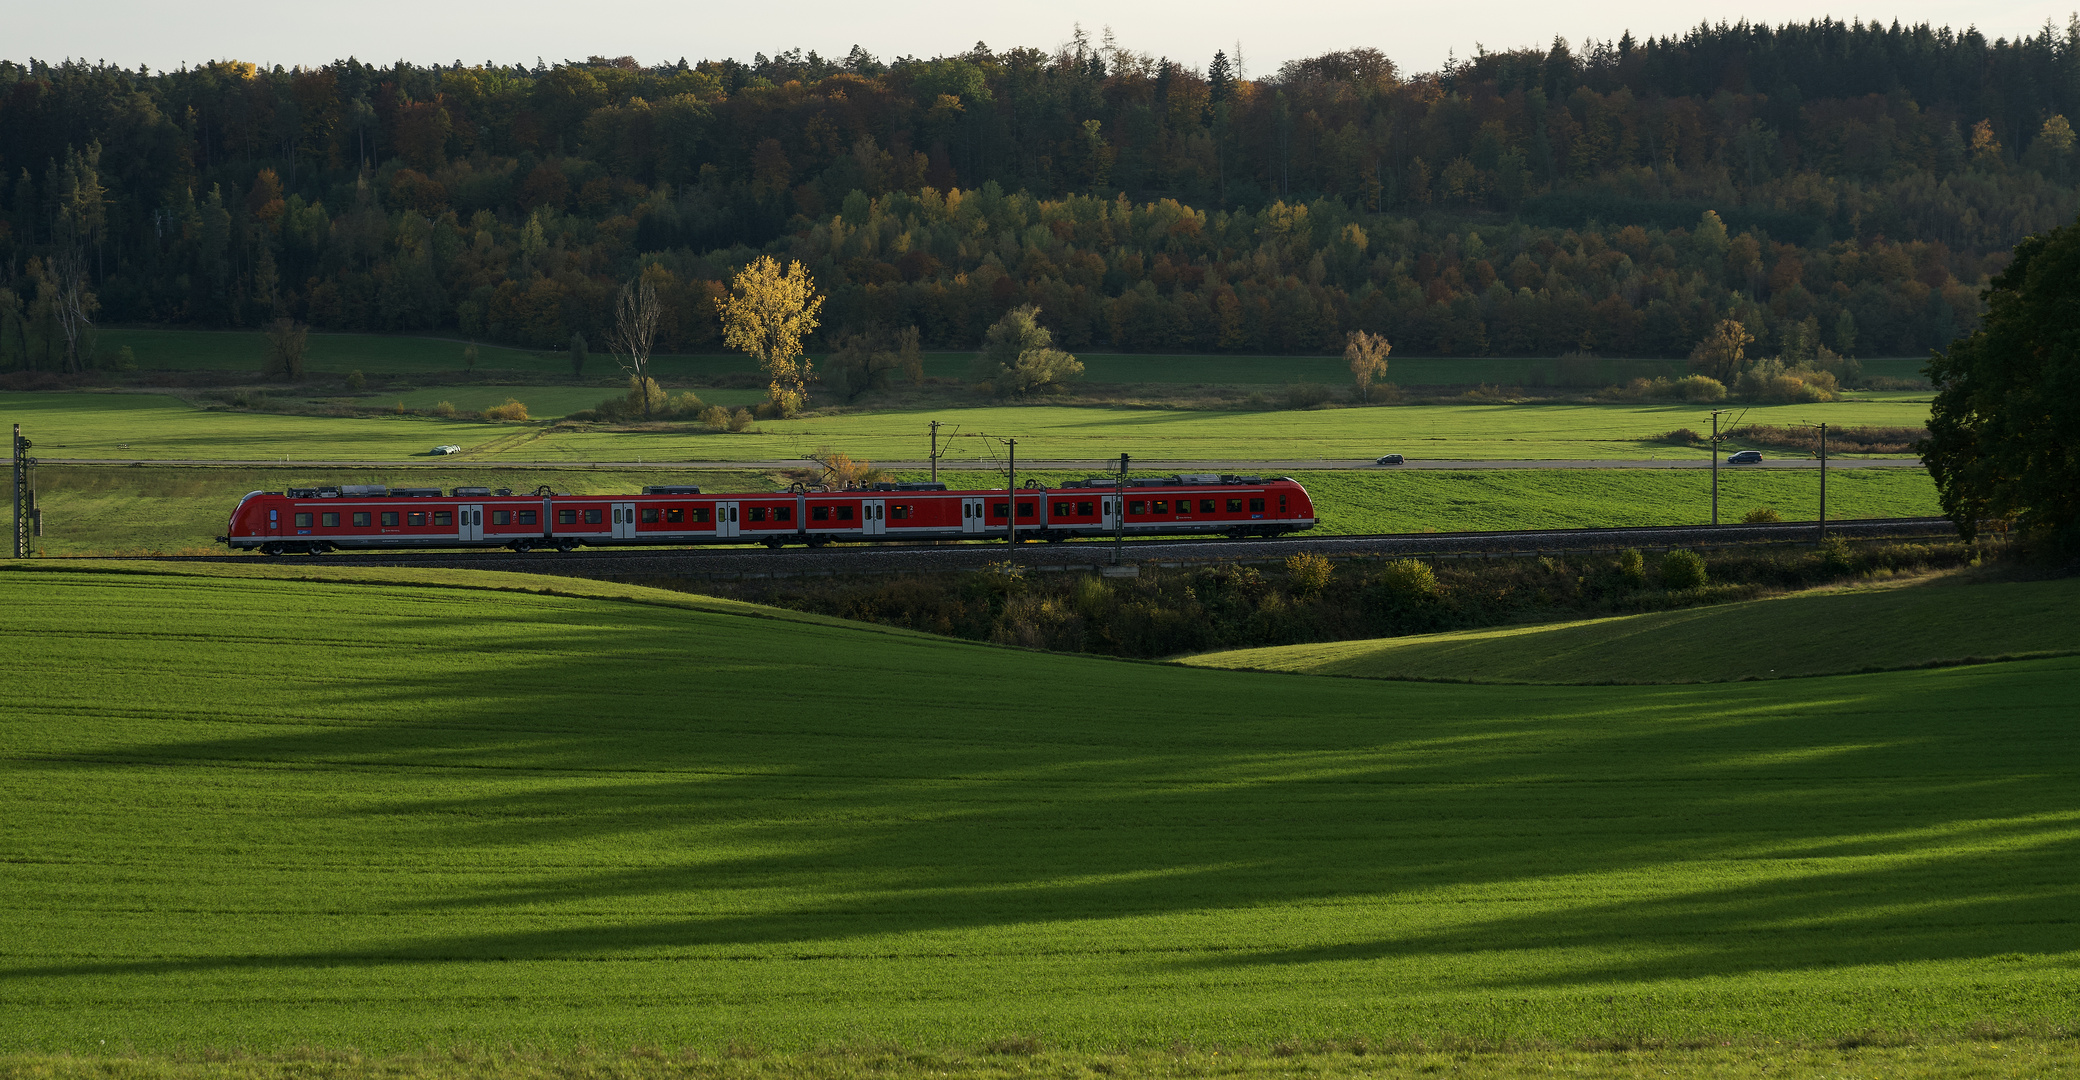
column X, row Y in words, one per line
column 1745, row 457
column 1388, row 459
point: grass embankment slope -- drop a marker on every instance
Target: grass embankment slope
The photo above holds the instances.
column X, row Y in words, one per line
column 157, row 426
column 1936, row 621
column 249, row 810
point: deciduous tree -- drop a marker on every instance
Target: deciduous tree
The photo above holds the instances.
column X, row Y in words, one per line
column 766, row 315
column 1018, row 356
column 1367, row 356
column 2004, row 431
column 634, row 330
column 1722, row 354
column 286, row 339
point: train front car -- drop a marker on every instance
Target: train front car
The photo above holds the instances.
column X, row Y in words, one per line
column 1187, row 504
column 315, row 520
column 256, row 522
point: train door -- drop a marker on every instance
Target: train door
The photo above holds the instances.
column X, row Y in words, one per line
column 971, row 516
column 469, row 522
column 725, row 519
column 624, row 521
column 1110, row 517
column 274, row 521
column 873, row 515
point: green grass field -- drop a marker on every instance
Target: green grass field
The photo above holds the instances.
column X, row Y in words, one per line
column 543, row 402
column 253, row 809
column 380, row 354
column 91, row 425
column 1823, row 632
column 171, row 510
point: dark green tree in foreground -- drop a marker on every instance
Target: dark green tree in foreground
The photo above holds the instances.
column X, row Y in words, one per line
column 2004, row 433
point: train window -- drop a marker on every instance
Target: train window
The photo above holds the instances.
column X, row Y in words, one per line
column 390, row 517
column 415, row 517
column 330, row 521
column 1061, row 509
column 303, row 521
column 673, row 515
column 1137, row 508
column 444, row 517
column 844, row 513
column 1256, row 506
column 700, row 513
column 1025, row 509
column 1234, row 506
column 527, row 517
column 900, row 512
column 997, row 510
column 819, row 513
column 758, row 513
column 595, row 517
column 1083, row 508
column 783, row 513
column 501, row 517
column 1162, row 506
column 1206, row 506
column 1184, row 506
column 566, row 517
column 361, row 519
column 650, row 516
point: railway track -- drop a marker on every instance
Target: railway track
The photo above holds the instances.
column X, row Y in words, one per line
column 744, row 562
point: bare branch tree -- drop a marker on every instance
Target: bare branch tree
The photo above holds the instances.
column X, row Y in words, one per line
column 635, row 328
column 75, row 303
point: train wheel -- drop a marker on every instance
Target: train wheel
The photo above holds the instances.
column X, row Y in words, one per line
column 566, row 546
column 522, row 547
column 774, row 544
column 314, row 549
column 270, row 549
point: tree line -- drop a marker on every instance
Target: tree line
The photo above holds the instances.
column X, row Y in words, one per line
column 1623, row 197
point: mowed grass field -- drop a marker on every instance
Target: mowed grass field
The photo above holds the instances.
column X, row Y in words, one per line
column 372, row 354
column 544, row 402
column 174, row 510
column 1948, row 619
column 104, row 425
column 259, row 809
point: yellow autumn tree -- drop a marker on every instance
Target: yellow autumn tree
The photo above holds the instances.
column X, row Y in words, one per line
column 1367, row 356
column 766, row 314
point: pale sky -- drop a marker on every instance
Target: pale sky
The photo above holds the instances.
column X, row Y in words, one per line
column 1417, row 36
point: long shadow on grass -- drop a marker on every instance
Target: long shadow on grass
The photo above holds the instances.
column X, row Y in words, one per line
column 567, row 779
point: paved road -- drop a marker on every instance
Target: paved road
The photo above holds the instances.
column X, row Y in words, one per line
column 1099, row 466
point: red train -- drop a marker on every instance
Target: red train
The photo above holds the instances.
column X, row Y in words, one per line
column 362, row 517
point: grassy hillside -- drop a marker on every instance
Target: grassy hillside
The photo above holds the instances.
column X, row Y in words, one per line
column 1887, row 627
column 91, row 510
column 97, row 425
column 262, row 812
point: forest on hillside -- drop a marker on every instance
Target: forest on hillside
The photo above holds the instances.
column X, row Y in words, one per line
column 1852, row 184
